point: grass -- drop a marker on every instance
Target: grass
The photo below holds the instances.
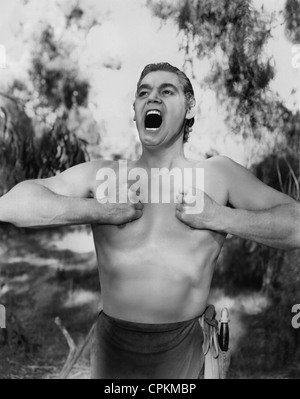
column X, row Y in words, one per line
column 42, row 279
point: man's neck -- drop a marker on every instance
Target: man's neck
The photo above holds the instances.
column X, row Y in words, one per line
column 162, row 158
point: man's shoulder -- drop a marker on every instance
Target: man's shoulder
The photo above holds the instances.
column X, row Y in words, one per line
column 99, row 164
column 218, row 162
column 223, row 169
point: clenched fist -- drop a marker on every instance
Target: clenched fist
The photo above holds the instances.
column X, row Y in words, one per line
column 197, row 210
column 116, row 212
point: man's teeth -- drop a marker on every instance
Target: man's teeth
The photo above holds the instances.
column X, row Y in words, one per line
column 153, row 112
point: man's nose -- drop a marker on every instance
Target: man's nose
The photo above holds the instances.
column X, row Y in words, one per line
column 154, row 97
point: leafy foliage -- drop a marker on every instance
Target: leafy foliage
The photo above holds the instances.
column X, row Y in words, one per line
column 292, row 16
column 59, row 150
column 53, row 76
column 58, row 136
column 17, row 151
column 232, row 35
column 23, row 156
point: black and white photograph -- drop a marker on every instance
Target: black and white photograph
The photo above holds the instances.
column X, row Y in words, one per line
column 149, row 192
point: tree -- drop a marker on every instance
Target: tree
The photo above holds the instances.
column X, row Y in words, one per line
column 232, row 35
column 292, row 16
column 17, row 152
column 61, row 131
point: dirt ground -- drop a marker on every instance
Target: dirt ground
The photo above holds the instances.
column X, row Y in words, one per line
column 44, row 275
column 50, row 274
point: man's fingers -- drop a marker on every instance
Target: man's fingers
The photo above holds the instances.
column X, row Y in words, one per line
column 180, row 198
column 179, row 207
column 189, row 199
column 184, row 190
column 180, row 215
column 138, row 214
column 184, row 203
column 121, row 226
column 139, row 206
column 186, row 196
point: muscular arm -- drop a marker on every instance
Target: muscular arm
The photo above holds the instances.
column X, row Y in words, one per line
column 276, row 227
column 259, row 213
column 57, row 201
column 62, row 200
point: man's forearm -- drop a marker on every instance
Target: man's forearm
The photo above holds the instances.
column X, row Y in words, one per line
column 278, row 227
column 34, row 206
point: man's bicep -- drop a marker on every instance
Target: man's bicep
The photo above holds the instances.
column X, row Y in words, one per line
column 74, row 182
column 246, row 191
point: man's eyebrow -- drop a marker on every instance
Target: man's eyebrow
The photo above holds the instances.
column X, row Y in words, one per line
column 164, row 85
column 145, row 86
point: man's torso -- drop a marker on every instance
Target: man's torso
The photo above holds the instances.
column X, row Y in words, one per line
column 157, row 269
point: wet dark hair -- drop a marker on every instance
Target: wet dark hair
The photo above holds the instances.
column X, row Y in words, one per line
column 186, row 86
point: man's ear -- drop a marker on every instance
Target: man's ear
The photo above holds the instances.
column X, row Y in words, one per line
column 134, row 118
column 191, row 112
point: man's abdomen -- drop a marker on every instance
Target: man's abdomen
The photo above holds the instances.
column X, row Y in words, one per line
column 157, row 276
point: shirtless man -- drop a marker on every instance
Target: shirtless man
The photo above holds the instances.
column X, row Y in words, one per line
column 156, row 260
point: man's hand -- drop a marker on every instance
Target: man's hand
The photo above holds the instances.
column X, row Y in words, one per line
column 197, row 210
column 119, row 213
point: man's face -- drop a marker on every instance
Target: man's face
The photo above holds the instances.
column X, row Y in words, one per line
column 160, row 108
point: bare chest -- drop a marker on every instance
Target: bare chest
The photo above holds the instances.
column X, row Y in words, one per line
column 159, row 229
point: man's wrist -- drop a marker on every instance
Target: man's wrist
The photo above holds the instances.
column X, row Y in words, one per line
column 95, row 212
column 224, row 219
column 80, row 211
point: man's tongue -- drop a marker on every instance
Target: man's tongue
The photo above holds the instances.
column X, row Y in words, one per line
column 153, row 121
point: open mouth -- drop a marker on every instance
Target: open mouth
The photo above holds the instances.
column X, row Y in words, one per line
column 153, row 120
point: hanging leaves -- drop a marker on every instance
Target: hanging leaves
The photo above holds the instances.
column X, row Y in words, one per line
column 292, row 17
column 239, row 74
column 17, row 153
column 23, row 157
column 59, row 149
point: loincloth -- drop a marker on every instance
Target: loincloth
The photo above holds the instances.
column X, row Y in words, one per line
column 128, row 350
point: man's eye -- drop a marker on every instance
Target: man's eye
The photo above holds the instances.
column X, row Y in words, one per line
column 167, row 92
column 143, row 93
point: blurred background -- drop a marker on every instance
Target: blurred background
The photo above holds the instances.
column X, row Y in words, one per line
column 68, row 73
